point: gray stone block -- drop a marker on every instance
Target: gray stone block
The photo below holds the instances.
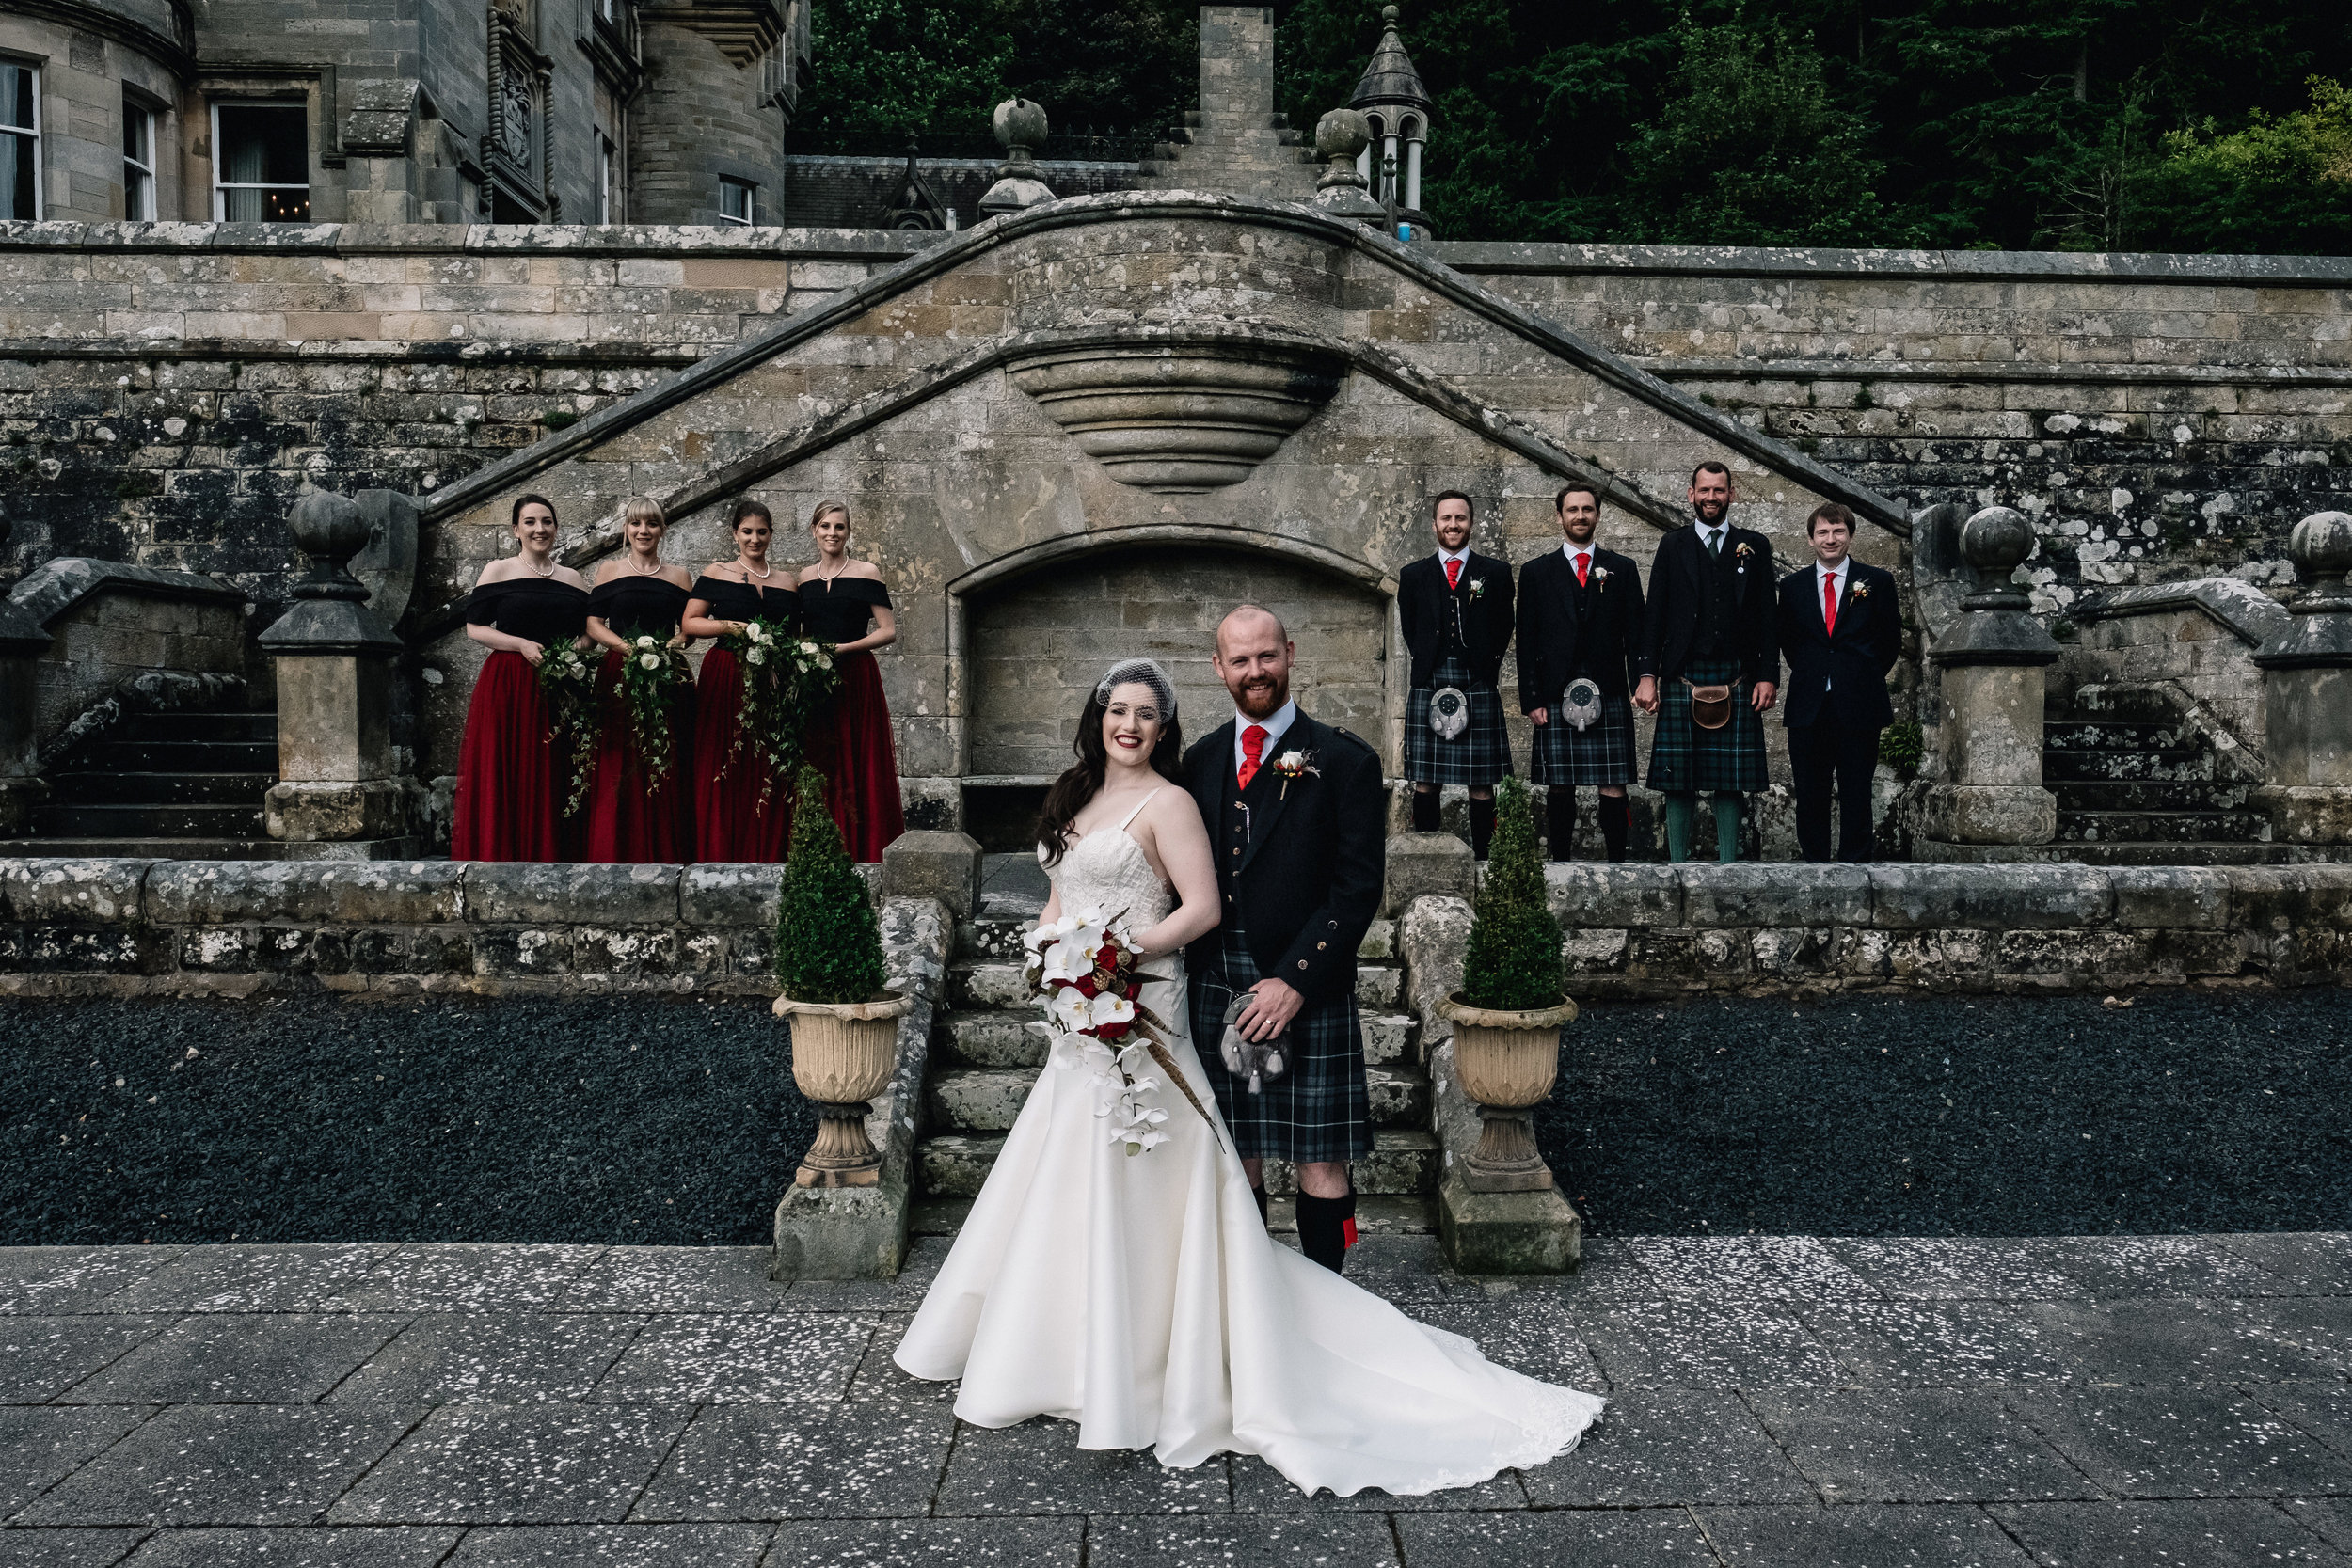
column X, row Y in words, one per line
column 225, row 1465
column 976, row 1099
column 849, row 1233
column 1506, row 1233
column 42, row 1357
column 764, row 1359
column 272, row 1359
column 72, row 892
column 610, row 1547
column 1671, row 1447
column 729, row 894
column 528, row 893
column 1773, row 896
column 492, row 1465
column 1431, row 865
column 934, row 864
column 869, row 1460
column 2216, row 1442
column 411, row 1546
column 1988, row 897
column 2173, row 898
column 1589, row 893
column 40, row 1447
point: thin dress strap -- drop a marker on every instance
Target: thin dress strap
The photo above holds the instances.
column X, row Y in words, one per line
column 1137, row 812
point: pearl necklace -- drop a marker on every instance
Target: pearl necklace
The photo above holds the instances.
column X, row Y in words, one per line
column 749, row 573
column 829, row 581
column 552, row 567
column 655, row 570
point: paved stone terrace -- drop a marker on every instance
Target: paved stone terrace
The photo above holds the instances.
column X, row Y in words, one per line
column 1777, row 1401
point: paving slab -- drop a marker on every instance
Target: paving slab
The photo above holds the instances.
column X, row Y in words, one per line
column 2109, row 1266
column 2322, row 1409
column 492, row 1358
column 879, row 1377
column 1539, row 1336
column 614, row 1547
column 701, row 1360
column 755, row 1462
column 225, row 1465
column 1260, row 1488
column 1861, row 1535
column 1191, row 1542
column 66, row 1548
column 497, row 1465
column 394, row 1547
column 1052, row 1542
column 2304, row 1263
column 1750, row 1268
column 1958, row 1267
column 465, row 1277
column 1037, row 1467
column 257, row 1358
column 2330, row 1518
column 294, row 1278
column 2319, row 1326
column 677, row 1280
column 1684, row 1343
column 1653, row 1449
column 2179, row 1340
column 2220, row 1533
column 72, row 1278
column 42, row 1357
column 1901, row 1344
column 40, row 1447
column 2183, row 1442
column 1644, row 1538
column 1913, row 1446
column 1607, row 1269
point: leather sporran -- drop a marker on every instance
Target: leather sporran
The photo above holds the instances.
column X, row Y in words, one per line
column 1711, row 706
column 1256, row 1060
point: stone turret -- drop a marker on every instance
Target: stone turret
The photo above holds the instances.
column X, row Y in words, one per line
column 1392, row 98
column 1236, row 142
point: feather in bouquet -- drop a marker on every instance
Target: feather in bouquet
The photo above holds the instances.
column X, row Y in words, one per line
column 1086, row 972
column 785, row 680
column 567, row 684
column 653, row 675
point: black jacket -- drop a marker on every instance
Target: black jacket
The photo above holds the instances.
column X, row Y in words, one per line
column 1676, row 598
column 1427, row 608
column 1305, row 880
column 1847, row 670
column 1566, row 630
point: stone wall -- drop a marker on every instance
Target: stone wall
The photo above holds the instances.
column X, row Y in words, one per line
column 109, row 623
column 2192, row 642
column 844, row 191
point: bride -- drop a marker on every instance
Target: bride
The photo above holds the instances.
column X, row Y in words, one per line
column 1140, row 1296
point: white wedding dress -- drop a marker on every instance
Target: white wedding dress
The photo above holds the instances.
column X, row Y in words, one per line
column 1141, row 1297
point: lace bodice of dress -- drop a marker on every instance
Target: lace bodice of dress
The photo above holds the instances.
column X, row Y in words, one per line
column 1106, row 870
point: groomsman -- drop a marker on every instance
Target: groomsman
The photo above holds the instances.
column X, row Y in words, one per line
column 1580, row 630
column 1841, row 633
column 1456, row 606
column 1708, row 641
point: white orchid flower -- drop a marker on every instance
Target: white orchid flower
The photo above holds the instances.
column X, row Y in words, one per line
column 1069, row 1010
column 1107, row 1008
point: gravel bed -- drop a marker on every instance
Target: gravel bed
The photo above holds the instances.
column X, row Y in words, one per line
column 604, row 1119
column 1958, row 1115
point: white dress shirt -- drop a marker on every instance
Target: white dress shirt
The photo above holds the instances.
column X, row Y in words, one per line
column 1274, row 725
column 1572, row 549
column 1461, row 555
column 1711, row 535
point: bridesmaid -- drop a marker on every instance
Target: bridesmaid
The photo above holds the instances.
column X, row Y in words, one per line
column 509, row 783
column 849, row 740
column 635, row 816
column 731, row 822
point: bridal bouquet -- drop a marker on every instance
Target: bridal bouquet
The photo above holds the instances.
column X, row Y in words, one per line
column 1086, row 972
column 567, row 684
column 653, row 675
column 785, row 680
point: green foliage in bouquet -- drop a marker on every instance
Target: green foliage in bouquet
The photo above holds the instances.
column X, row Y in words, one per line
column 828, row 943
column 655, row 677
column 567, row 682
column 1514, row 961
column 785, row 680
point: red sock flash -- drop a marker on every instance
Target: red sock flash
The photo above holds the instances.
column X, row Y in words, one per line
column 1347, row 1229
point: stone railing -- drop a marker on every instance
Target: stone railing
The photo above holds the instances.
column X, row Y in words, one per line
column 109, row 623
column 2193, row 643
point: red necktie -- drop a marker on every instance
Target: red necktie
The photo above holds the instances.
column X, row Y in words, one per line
column 1582, row 560
column 1453, row 575
column 1252, row 753
column 1829, row 603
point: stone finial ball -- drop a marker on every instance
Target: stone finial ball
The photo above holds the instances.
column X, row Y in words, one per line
column 1995, row 539
column 2321, row 546
column 1341, row 134
column 1020, row 123
column 327, row 524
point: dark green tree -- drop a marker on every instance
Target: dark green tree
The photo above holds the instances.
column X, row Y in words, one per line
column 886, row 69
column 828, row 943
column 1513, row 962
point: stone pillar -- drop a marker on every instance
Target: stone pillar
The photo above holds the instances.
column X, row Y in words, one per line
column 335, row 778
column 1993, row 662
column 1020, row 129
column 21, row 640
column 2306, row 692
column 1340, row 139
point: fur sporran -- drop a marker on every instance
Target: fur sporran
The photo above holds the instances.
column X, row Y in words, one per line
column 1579, row 705
column 1256, row 1060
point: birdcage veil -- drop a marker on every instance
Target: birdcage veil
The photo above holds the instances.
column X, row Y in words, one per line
column 1144, row 671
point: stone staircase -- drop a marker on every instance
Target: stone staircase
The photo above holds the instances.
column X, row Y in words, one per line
column 984, row 1057
column 177, row 784
column 2139, row 784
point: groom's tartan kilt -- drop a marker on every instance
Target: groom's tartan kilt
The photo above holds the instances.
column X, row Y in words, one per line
column 1318, row 1109
column 1685, row 758
column 1479, row 756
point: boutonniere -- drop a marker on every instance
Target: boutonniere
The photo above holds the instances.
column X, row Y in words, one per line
column 1295, row 765
column 1600, row 576
column 1859, row 591
column 1478, row 586
column 1740, row 553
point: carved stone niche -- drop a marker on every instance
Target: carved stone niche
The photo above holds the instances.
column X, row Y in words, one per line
column 1180, row 417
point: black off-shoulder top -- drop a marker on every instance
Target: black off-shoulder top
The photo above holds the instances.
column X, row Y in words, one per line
column 634, row 605
column 538, row 610
column 841, row 610
column 730, row 600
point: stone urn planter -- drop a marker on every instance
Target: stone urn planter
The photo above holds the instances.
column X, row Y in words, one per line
column 843, row 1053
column 1508, row 1061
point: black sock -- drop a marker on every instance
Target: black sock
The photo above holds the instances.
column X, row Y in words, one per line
column 1616, row 818
column 1323, row 1227
column 1560, row 819
column 1424, row 810
column 1482, row 814
column 1266, row 1212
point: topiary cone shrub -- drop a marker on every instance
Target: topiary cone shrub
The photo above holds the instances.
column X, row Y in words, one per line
column 1513, row 962
column 828, row 943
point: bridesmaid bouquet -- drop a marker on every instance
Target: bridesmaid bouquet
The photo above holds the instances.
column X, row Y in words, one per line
column 567, row 684
column 652, row 677
column 1086, row 972
column 785, row 680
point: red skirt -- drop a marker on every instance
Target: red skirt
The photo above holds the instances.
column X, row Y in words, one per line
column 730, row 821
column 509, row 779
column 849, row 743
column 634, row 816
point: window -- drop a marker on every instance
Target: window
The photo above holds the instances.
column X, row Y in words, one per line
column 261, row 163
column 608, row 180
column 138, row 163
column 20, row 141
column 735, row 201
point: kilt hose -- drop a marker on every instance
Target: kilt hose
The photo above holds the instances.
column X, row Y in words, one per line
column 1599, row 753
column 1479, row 756
column 1320, row 1109
column 1684, row 758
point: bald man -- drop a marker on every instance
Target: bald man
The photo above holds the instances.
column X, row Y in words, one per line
column 1297, row 814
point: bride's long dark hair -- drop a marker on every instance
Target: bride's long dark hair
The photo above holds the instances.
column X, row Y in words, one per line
column 1078, row 784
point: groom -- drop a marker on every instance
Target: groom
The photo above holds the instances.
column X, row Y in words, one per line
column 1295, row 812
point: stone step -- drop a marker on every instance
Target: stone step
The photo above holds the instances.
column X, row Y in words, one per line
column 993, row 1039
column 2161, row 827
column 2149, row 795
column 1403, row 1161
column 1389, row 1037
column 2176, row 854
column 987, row 1098
column 184, row 725
column 2099, row 735
column 139, row 849
column 2153, row 763
column 1377, row 1215
column 181, row 756
column 1399, row 1096
column 148, row 821
column 1380, row 987
column 987, row 985
column 149, row 789
column 994, row 936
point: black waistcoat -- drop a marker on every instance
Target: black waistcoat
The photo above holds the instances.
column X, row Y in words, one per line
column 1716, row 588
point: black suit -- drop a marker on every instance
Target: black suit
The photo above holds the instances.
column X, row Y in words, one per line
column 1427, row 608
column 1567, row 629
column 1672, row 630
column 1836, row 702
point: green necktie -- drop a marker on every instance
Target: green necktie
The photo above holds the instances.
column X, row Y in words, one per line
column 1715, row 542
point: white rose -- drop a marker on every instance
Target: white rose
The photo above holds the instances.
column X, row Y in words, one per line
column 824, row 662
column 651, row 661
column 645, row 643
column 808, row 647
column 755, row 657
column 1292, row 759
